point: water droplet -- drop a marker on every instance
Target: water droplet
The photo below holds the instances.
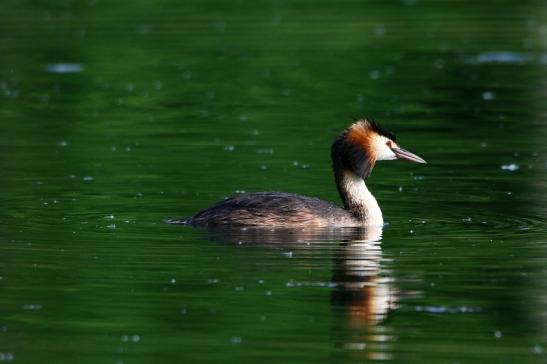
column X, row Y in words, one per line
column 6, row 356
column 488, row 95
column 32, row 307
column 64, row 68
column 265, row 151
column 501, row 57
column 510, row 167
column 236, row 340
column 439, row 64
column 380, row 30
column 220, row 27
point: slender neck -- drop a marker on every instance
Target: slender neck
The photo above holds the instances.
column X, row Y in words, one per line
column 357, row 198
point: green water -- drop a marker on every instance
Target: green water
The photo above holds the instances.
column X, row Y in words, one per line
column 116, row 116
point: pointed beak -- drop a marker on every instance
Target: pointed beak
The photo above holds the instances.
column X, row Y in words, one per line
column 406, row 155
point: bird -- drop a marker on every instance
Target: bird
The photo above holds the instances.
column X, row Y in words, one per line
column 354, row 154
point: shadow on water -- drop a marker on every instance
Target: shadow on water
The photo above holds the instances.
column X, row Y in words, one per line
column 363, row 289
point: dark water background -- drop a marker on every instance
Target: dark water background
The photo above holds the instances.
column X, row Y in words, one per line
column 115, row 116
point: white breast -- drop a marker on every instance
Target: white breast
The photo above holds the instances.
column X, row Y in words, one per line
column 360, row 197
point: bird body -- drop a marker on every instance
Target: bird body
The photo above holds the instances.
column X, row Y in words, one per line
column 354, row 154
column 274, row 209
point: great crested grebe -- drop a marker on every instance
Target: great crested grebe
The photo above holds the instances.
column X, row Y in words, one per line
column 354, row 153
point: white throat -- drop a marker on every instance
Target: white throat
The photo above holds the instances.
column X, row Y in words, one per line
column 359, row 199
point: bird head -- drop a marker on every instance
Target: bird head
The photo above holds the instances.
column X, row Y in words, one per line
column 364, row 143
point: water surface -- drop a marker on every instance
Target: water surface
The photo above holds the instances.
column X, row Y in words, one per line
column 117, row 117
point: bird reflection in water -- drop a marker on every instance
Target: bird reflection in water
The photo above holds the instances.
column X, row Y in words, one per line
column 363, row 288
column 366, row 293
